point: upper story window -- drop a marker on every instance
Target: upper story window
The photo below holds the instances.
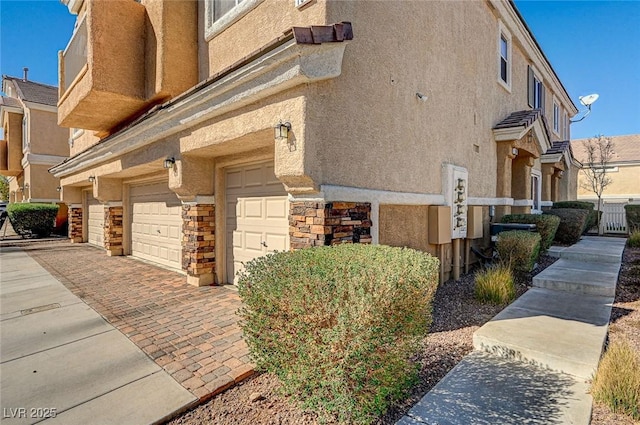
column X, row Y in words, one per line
column 220, row 14
column 535, row 89
column 25, row 132
column 504, row 57
column 556, row 118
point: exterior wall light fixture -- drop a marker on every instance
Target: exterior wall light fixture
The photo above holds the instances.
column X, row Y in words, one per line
column 514, row 151
column 560, row 173
column 168, row 163
column 92, row 179
column 26, row 185
column 59, row 189
column 282, row 130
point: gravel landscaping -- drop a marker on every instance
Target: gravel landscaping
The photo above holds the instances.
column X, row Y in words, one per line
column 624, row 324
column 456, row 315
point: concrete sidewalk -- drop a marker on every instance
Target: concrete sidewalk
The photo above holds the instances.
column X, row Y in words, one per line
column 534, row 359
column 61, row 362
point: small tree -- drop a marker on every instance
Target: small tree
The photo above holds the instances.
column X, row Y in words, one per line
column 599, row 152
column 4, row 189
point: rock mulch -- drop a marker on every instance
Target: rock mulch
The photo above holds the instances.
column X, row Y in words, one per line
column 456, row 315
column 624, row 325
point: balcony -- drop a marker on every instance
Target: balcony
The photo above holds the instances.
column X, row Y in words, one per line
column 9, row 166
column 101, row 72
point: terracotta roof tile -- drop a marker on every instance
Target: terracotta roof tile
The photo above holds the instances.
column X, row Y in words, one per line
column 625, row 148
column 31, row 91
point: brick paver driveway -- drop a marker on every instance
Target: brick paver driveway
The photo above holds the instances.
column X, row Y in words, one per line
column 191, row 332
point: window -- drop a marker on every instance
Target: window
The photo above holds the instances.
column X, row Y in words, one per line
column 535, row 89
column 556, row 118
column 220, row 14
column 536, row 191
column 25, row 133
column 504, row 57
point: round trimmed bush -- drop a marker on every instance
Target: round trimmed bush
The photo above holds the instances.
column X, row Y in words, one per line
column 338, row 325
column 518, row 248
column 572, row 223
column 546, row 225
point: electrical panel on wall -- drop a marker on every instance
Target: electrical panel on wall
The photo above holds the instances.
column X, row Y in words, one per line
column 456, row 183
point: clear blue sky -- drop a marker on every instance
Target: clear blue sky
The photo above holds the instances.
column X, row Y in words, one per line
column 594, row 47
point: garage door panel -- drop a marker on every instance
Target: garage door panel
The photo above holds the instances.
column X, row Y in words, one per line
column 257, row 209
column 277, row 208
column 95, row 222
column 275, row 242
column 156, row 228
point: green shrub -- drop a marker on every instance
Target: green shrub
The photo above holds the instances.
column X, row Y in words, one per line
column 518, row 248
column 617, row 382
column 634, row 239
column 546, row 225
column 495, row 284
column 572, row 222
column 592, row 219
column 633, row 216
column 32, row 219
column 338, row 325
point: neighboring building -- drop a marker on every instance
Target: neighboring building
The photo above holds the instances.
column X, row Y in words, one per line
column 624, row 169
column 33, row 141
column 402, row 123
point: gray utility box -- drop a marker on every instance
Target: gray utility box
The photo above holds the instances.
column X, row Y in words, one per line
column 496, row 228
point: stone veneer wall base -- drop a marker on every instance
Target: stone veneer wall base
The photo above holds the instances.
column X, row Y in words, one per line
column 113, row 231
column 198, row 243
column 328, row 223
column 75, row 225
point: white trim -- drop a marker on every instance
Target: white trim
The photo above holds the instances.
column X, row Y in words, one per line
column 211, row 29
column 39, row 159
column 40, row 107
column 42, row 200
column 81, row 206
column 626, row 196
column 546, row 203
column 523, row 202
column 504, row 32
column 286, row 66
column 300, row 3
column 113, row 204
column 490, row 201
column 538, row 175
column 200, row 200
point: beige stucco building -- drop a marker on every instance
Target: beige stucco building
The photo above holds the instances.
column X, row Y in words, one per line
column 623, row 169
column 215, row 134
column 32, row 140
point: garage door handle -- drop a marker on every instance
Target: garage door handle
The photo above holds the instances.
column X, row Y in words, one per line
column 264, row 244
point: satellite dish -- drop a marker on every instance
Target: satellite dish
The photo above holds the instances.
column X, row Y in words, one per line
column 589, row 99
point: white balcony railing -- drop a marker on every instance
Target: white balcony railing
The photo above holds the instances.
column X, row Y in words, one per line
column 75, row 55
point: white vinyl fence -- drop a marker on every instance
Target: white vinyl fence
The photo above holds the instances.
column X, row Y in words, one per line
column 613, row 219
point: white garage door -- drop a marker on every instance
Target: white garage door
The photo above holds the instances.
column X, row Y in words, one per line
column 257, row 215
column 95, row 221
column 156, row 224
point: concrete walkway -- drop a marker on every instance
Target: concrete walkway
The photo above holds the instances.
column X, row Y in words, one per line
column 532, row 362
column 62, row 363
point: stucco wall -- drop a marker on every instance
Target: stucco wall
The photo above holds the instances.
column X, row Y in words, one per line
column 42, row 184
column 82, row 142
column 405, row 225
column 266, row 22
column 624, row 182
column 45, row 136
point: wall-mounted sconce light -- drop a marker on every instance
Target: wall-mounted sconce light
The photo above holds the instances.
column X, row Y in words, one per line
column 560, row 173
column 168, row 163
column 421, row 97
column 282, row 130
column 92, row 179
column 26, row 185
column 58, row 189
column 514, row 151
column 20, row 189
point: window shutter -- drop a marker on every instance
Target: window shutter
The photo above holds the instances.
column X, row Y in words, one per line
column 530, row 86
